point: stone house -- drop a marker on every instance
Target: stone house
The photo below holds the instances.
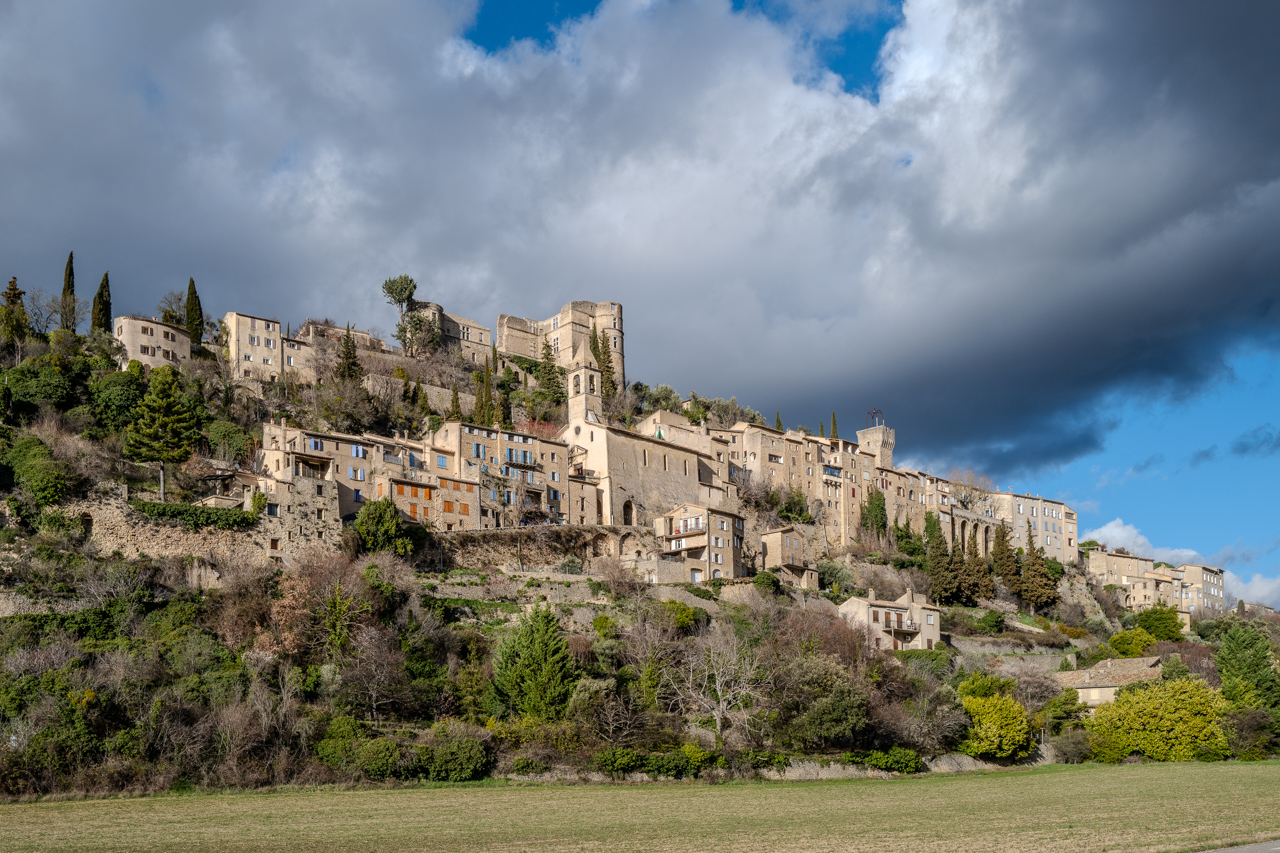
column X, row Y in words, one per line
column 569, row 333
column 460, row 333
column 262, row 352
column 709, row 541
column 151, row 342
column 909, row 622
column 1098, row 684
column 782, row 551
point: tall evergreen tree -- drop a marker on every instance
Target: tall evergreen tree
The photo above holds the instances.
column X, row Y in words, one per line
column 548, row 375
column 67, row 312
column 455, row 406
column 195, row 315
column 875, row 513
column 943, row 582
column 976, row 581
column 166, row 427
column 835, row 432
column 14, row 322
column 1248, row 669
column 348, row 368
column 777, row 421
column 1005, row 561
column 101, row 317
column 1038, row 589
column 822, row 429
column 608, row 377
column 533, row 672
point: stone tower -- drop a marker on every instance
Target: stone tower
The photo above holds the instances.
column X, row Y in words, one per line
column 582, row 385
column 878, row 440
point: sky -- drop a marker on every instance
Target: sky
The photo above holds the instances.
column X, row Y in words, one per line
column 1041, row 238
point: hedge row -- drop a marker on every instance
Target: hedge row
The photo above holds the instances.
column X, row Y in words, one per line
column 196, row 517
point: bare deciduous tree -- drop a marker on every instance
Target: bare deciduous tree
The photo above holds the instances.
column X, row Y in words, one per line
column 716, row 676
column 970, row 489
column 375, row 677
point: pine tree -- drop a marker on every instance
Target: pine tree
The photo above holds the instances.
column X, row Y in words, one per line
column 166, row 428
column 195, row 315
column 1005, row 562
column 533, row 672
column 101, row 317
column 14, row 322
column 348, row 369
column 943, row 581
column 455, row 406
column 777, row 421
column 1038, row 589
column 976, row 580
column 67, row 314
column 1248, row 669
column 835, row 433
column 548, row 375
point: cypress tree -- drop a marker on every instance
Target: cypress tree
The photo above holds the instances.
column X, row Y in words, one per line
column 875, row 514
column 67, row 314
column 1005, row 562
column 548, row 375
column 1038, row 589
column 608, row 381
column 348, row 369
column 101, row 317
column 166, row 428
column 942, row 578
column 533, row 672
column 14, row 322
column 835, row 433
column 195, row 315
column 1248, row 669
column 455, row 406
column 822, row 429
column 777, row 421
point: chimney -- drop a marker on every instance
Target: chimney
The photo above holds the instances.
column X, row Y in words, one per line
column 871, row 593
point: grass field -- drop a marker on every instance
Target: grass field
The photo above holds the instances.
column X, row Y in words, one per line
column 1134, row 807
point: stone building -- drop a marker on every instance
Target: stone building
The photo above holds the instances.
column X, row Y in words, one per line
column 708, row 540
column 782, row 551
column 1053, row 523
column 1202, row 590
column 1098, row 684
column 262, row 352
column 154, row 344
column 569, row 333
column 457, row 332
column 909, row 622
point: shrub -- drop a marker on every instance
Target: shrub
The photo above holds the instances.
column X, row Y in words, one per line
column 1168, row 721
column 1072, row 746
column 458, row 757
column 767, row 583
column 674, row 764
column 1000, row 728
column 337, row 747
column 700, row 591
column 1098, row 626
column 991, row 623
column 1161, row 622
column 898, row 759
column 35, row 469
column 937, row 662
column 528, row 766
column 377, row 758
column 228, row 439
column 571, row 565
column 381, row 529
column 196, row 517
column 618, row 761
column 1132, row 643
column 683, row 616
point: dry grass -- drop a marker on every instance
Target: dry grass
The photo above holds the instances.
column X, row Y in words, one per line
column 1079, row 809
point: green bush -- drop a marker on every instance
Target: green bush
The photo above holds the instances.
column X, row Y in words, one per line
column 196, row 517
column 457, row 757
column 1000, row 728
column 35, row 469
column 528, row 766
column 937, row 662
column 228, row 438
column 991, row 623
column 1132, row 643
column 337, row 747
column 700, row 591
column 1161, row 622
column 382, row 529
column 1176, row 720
column 618, row 761
column 683, row 616
column 898, row 759
column 767, row 583
column 571, row 565
column 674, row 764
column 378, row 758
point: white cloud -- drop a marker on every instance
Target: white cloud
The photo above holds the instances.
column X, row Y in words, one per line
column 1257, row 589
column 1117, row 534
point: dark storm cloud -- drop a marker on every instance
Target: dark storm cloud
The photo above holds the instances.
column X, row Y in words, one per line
column 1262, row 440
column 1049, row 207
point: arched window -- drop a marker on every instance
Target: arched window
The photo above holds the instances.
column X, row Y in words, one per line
column 577, row 385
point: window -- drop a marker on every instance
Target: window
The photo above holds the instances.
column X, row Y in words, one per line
column 319, row 491
column 464, row 509
column 413, row 510
column 358, row 495
column 247, row 356
column 271, row 343
column 316, row 444
column 448, row 506
column 266, row 359
column 358, row 451
column 275, row 544
column 273, row 510
column 442, row 461
column 267, row 325
column 254, row 340
column 288, row 359
column 875, row 615
column 928, row 618
column 477, row 451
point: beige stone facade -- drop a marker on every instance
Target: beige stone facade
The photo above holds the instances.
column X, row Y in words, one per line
column 154, row 344
column 782, row 551
column 569, row 333
column 1098, row 684
column 709, row 537
column 261, row 352
column 1052, row 523
column 457, row 332
column 909, row 622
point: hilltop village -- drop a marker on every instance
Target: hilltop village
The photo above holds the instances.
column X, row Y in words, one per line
column 236, row 553
column 675, row 472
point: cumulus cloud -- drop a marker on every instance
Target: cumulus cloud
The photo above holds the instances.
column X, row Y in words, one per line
column 1117, row 534
column 1045, row 203
column 1255, row 590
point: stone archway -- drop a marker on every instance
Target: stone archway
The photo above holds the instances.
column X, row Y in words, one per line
column 628, row 514
column 986, row 541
